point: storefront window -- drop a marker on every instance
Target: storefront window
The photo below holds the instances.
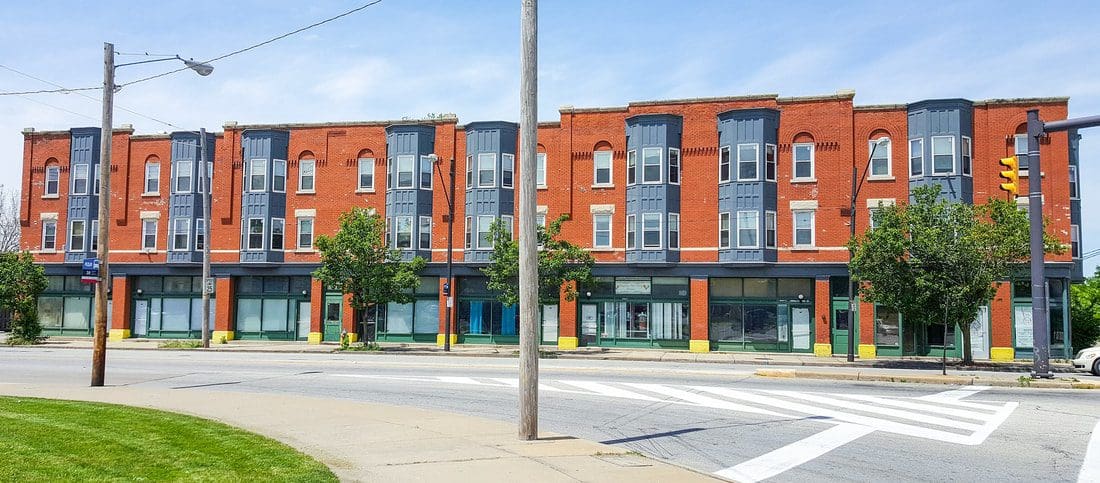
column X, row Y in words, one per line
column 887, row 327
column 762, row 313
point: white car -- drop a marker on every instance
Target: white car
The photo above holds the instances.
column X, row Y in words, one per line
column 1088, row 359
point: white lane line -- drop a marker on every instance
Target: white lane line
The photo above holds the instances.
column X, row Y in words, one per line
column 542, row 387
column 795, row 454
column 702, row 400
column 957, row 394
column 867, row 408
column 1090, row 467
column 928, row 408
column 606, row 390
column 460, row 380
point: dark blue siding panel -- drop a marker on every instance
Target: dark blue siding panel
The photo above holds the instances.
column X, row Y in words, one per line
column 747, row 126
column 500, row 138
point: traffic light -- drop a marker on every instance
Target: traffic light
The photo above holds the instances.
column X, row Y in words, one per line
column 1011, row 175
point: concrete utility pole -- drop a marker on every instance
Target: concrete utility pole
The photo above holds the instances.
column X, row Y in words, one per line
column 528, row 251
column 99, row 336
column 207, row 187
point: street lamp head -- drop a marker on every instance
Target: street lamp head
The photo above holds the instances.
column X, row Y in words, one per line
column 433, row 158
column 199, row 67
column 882, row 141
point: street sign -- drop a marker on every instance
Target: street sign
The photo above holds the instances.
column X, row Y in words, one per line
column 209, row 285
column 89, row 271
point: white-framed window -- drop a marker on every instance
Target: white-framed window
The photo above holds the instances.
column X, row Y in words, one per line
column 486, row 170
column 724, row 240
column 149, row 234
column 95, row 179
column 200, row 234
column 80, row 179
column 152, row 177
column 770, row 233
column 770, row 162
column 93, row 235
column 76, row 235
column 803, row 228
column 278, row 175
column 307, row 175
column 426, row 172
column 366, row 174
column 943, row 155
column 405, row 171
column 255, row 234
column 257, row 175
column 673, row 231
column 967, row 156
column 424, row 233
column 748, row 162
column 507, row 170
column 880, row 159
column 540, row 170
column 601, row 230
column 1074, row 192
column 484, row 224
column 404, row 232
column 651, row 231
column 305, row 233
column 674, row 165
column 916, row 158
column 53, row 180
column 802, row 161
column 181, row 229
column 631, row 167
column 182, row 180
column 509, row 224
column 469, row 232
column 1020, row 151
column 748, row 229
column 631, row 232
column 204, row 178
column 1075, row 241
column 601, row 168
column 278, row 233
column 388, row 234
column 470, row 172
column 872, row 217
column 540, row 219
column 49, row 235
column 651, row 165
column 724, row 164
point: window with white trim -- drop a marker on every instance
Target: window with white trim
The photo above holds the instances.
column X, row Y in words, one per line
column 724, row 240
column 540, row 219
column 484, row 238
column 803, row 228
column 748, row 229
column 967, row 156
column 469, row 232
column 651, row 165
column 80, row 179
column 278, row 233
column 93, row 234
column 181, row 229
column 631, row 232
column 200, row 234
column 255, row 234
column 404, row 232
column 673, row 165
column 307, row 174
column 540, row 170
column 631, row 167
column 1073, row 183
column 601, row 168
column 470, row 172
column 305, row 233
column 601, row 230
column 387, row 233
column 674, row 231
column 426, row 166
column 149, row 234
column 916, row 158
column 182, row 181
column 1075, row 241
column 257, row 175
column 405, row 171
column 366, row 174
column 152, row 177
column 872, row 217
column 770, row 233
column 770, row 162
column 76, row 235
column 424, row 233
column 53, row 180
column 802, row 161
column 203, row 186
column 943, row 155
column 724, row 164
column 507, row 170
column 278, row 175
column 880, row 159
column 1020, row 151
column 49, row 235
column 509, row 223
column 95, row 179
column 651, row 231
column 486, row 170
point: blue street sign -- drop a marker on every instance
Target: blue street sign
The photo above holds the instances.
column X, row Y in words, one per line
column 90, row 271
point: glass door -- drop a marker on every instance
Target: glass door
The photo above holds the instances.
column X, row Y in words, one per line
column 304, row 309
column 842, row 321
column 141, row 318
column 334, row 315
column 801, row 329
column 550, row 324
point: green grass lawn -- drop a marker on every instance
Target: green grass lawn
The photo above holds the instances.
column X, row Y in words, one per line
column 51, row 440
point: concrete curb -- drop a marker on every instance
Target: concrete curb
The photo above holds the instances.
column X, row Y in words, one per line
column 926, row 379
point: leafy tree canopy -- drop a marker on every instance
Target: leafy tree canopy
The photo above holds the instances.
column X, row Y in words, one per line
column 21, row 282
column 1084, row 312
column 559, row 262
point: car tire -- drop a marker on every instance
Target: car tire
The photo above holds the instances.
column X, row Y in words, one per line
column 1096, row 367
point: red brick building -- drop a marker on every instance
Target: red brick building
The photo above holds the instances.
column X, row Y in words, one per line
column 717, row 223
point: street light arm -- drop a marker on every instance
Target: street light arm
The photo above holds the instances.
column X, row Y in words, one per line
column 199, row 67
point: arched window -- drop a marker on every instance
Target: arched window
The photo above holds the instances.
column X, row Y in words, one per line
column 879, row 146
column 152, row 175
column 802, row 157
column 307, row 172
column 52, row 186
column 365, row 171
column 602, row 159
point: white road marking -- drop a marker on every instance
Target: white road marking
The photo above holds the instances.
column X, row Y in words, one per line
column 460, row 380
column 867, row 408
column 928, row 408
column 542, row 387
column 702, row 400
column 1090, row 467
column 795, row 454
column 610, row 391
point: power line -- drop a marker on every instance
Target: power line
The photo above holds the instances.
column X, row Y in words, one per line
column 49, row 91
column 56, row 107
column 246, row 49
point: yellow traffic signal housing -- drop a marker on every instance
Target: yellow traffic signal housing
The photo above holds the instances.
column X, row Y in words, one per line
column 1011, row 175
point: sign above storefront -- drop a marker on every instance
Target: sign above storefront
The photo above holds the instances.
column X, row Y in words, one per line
column 627, row 286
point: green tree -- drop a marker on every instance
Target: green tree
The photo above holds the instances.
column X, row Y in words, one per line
column 21, row 282
column 935, row 260
column 559, row 262
column 357, row 261
column 1084, row 312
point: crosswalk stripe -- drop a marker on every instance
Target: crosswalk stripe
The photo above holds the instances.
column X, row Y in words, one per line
column 460, row 380
column 702, row 400
column 877, row 410
column 1090, row 467
column 610, row 391
column 928, row 408
column 795, row 454
column 515, row 383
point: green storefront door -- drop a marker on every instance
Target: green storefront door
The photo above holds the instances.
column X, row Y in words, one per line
column 842, row 321
column 334, row 315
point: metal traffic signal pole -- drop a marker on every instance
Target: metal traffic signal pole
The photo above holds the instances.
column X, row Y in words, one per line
column 1040, row 322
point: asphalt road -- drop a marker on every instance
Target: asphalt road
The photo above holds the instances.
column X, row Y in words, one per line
column 710, row 417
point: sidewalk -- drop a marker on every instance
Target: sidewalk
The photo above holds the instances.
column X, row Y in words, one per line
column 375, row 442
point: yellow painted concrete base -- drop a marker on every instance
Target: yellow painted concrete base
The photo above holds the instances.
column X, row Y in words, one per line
column 118, row 334
column 699, row 346
column 315, row 338
column 439, row 338
column 218, row 335
column 1002, row 353
column 867, row 351
column 353, row 337
column 823, row 350
column 568, row 343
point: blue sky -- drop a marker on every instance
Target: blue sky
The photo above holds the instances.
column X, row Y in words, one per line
column 410, row 58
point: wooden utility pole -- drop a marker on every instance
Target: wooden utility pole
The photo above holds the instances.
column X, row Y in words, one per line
column 99, row 336
column 528, row 251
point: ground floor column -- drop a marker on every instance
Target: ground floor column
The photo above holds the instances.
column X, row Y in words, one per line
column 316, row 311
column 121, row 312
column 567, row 321
column 1000, row 324
column 444, row 309
column 700, row 315
column 866, row 348
column 823, row 310
column 224, row 304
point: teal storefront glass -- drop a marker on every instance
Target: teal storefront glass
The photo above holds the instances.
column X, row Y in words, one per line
column 65, row 307
column 635, row 312
column 762, row 314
